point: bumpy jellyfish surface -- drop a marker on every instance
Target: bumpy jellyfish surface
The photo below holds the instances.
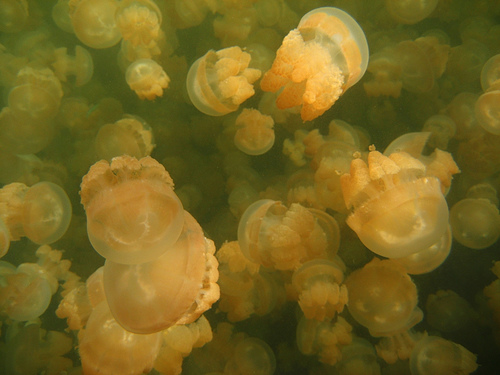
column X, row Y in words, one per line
column 94, row 22
column 383, row 298
column 318, row 62
column 147, row 78
column 255, row 133
column 397, row 210
column 47, row 213
column 218, row 82
column 107, row 348
column 133, row 214
column 434, row 355
column 180, row 284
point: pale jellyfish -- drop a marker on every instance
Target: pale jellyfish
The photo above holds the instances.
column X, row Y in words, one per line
column 219, row 81
column 318, row 61
column 147, row 78
column 81, row 65
column 133, row 214
column 487, row 111
column 447, row 311
column 410, row 12
column 255, row 133
column 13, row 15
column 490, row 74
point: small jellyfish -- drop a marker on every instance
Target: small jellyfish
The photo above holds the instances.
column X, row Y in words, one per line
column 129, row 136
column 475, row 220
column 283, row 238
column 81, row 65
column 94, row 22
column 318, row 62
column 4, row 238
column 487, row 110
column 383, row 298
column 359, row 357
column 490, row 74
column 13, row 15
column 318, row 285
column 251, row 356
column 192, row 12
column 255, row 133
column 147, row 78
column 442, row 129
column 446, row 311
column 397, row 209
column 175, row 288
column 219, row 81
column 133, row 214
column 411, row 11
column 105, row 347
column 434, row 355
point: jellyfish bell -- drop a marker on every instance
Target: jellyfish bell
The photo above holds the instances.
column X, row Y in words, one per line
column 133, row 214
column 152, row 296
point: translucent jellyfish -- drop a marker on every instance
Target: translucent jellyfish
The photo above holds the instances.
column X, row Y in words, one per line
column 490, row 74
column 475, row 220
column 383, row 298
column 147, row 78
column 318, row 285
column 177, row 287
column 283, row 238
column 4, row 238
column 255, row 133
column 42, row 212
column 219, row 81
column 442, row 129
column 36, row 95
column 397, row 210
column 139, row 21
column 94, row 22
column 325, row 339
column 129, row 136
column 13, row 15
column 25, row 293
column 410, row 12
column 251, row 356
column 60, row 15
column 318, row 62
column 434, row 355
column 81, row 65
column 107, row 348
column 193, row 12
column 359, row 357
column 133, row 214
column 446, row 311
column 487, row 111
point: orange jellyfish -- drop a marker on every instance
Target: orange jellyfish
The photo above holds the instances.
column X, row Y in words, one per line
column 318, row 61
column 147, row 78
column 133, row 214
column 255, row 133
column 219, row 81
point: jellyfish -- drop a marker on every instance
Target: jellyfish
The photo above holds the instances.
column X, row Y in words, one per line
column 487, row 111
column 147, row 78
column 81, row 65
column 410, row 12
column 13, row 15
column 397, row 209
column 133, row 214
column 283, row 238
column 94, row 22
column 255, row 133
column 175, row 288
column 435, row 355
column 318, row 61
column 42, row 212
column 447, row 311
column 219, row 81
column 358, row 357
column 129, row 136
column 251, row 356
column 490, row 74
column 475, row 220
column 139, row 22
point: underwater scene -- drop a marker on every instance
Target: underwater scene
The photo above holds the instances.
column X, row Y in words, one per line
column 249, row 187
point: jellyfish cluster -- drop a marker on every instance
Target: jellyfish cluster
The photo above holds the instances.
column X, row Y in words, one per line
column 240, row 187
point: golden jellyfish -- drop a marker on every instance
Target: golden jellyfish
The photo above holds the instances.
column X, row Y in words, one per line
column 133, row 214
column 251, row 356
column 447, row 311
column 41, row 212
column 318, row 285
column 139, row 21
column 129, row 136
column 475, row 220
column 219, row 81
column 60, row 15
column 318, row 61
column 410, row 12
column 147, row 78
column 434, row 355
column 487, row 111
column 359, row 357
column 81, row 65
column 175, row 288
column 4, row 238
column 383, row 298
column 397, row 209
column 283, row 238
column 442, row 129
column 94, row 22
column 490, row 74
column 106, row 348
column 13, row 15
column 255, row 133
